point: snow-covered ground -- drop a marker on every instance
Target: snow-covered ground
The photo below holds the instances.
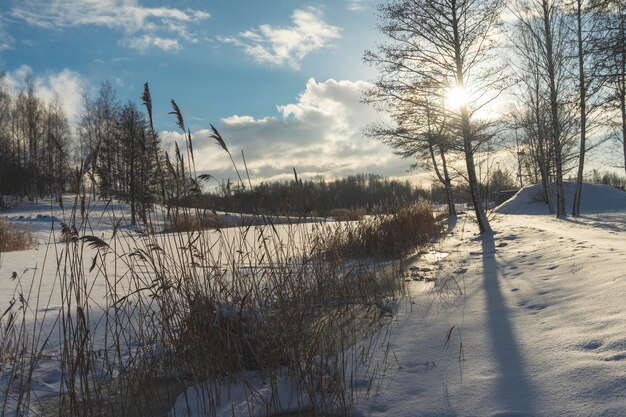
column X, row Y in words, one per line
column 540, row 326
column 528, row 322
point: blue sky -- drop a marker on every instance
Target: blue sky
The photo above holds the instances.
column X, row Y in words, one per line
column 281, row 79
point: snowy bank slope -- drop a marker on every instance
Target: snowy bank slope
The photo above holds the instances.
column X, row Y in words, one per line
column 595, row 199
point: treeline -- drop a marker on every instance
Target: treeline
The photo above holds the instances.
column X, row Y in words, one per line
column 35, row 144
column 611, row 179
column 368, row 192
column 116, row 152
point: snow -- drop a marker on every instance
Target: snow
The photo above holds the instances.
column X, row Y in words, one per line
column 541, row 322
column 530, row 321
column 595, row 199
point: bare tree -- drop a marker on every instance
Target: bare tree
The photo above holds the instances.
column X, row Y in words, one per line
column 543, row 22
column 34, row 137
column 583, row 104
column 419, row 129
column 447, row 45
column 585, row 24
column 610, row 60
column 530, row 113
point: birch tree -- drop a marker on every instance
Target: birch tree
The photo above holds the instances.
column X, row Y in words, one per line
column 543, row 22
column 447, row 45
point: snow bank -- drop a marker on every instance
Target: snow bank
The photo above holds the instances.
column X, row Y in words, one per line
column 595, row 199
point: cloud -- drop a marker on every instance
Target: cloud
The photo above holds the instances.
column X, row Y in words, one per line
column 356, row 6
column 146, row 42
column 6, row 40
column 290, row 44
column 319, row 134
column 66, row 86
column 144, row 27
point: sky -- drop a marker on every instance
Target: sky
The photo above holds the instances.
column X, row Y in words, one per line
column 281, row 80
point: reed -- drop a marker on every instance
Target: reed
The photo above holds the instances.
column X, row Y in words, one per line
column 218, row 309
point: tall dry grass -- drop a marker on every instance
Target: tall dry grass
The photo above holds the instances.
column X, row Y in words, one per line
column 347, row 215
column 203, row 308
column 385, row 236
column 13, row 238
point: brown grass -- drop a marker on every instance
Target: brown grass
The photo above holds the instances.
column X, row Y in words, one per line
column 13, row 238
column 385, row 236
column 192, row 222
column 342, row 215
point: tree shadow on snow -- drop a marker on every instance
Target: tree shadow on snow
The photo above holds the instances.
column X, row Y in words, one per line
column 512, row 392
column 612, row 222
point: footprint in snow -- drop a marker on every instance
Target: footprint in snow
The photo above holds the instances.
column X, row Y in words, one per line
column 591, row 345
column 537, row 307
column 513, row 413
column 615, row 358
column 415, row 368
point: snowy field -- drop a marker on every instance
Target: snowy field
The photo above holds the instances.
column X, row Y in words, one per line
column 528, row 322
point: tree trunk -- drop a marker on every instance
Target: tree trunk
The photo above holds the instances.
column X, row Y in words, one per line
column 444, row 177
column 447, row 184
column 481, row 217
column 542, row 157
column 554, row 111
column 583, row 110
column 623, row 109
column 622, row 84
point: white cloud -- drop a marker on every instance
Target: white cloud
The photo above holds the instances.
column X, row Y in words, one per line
column 6, row 40
column 290, row 44
column 145, row 42
column 67, row 87
column 356, row 6
column 319, row 134
column 144, row 27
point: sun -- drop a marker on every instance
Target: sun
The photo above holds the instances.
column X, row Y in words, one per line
column 455, row 98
